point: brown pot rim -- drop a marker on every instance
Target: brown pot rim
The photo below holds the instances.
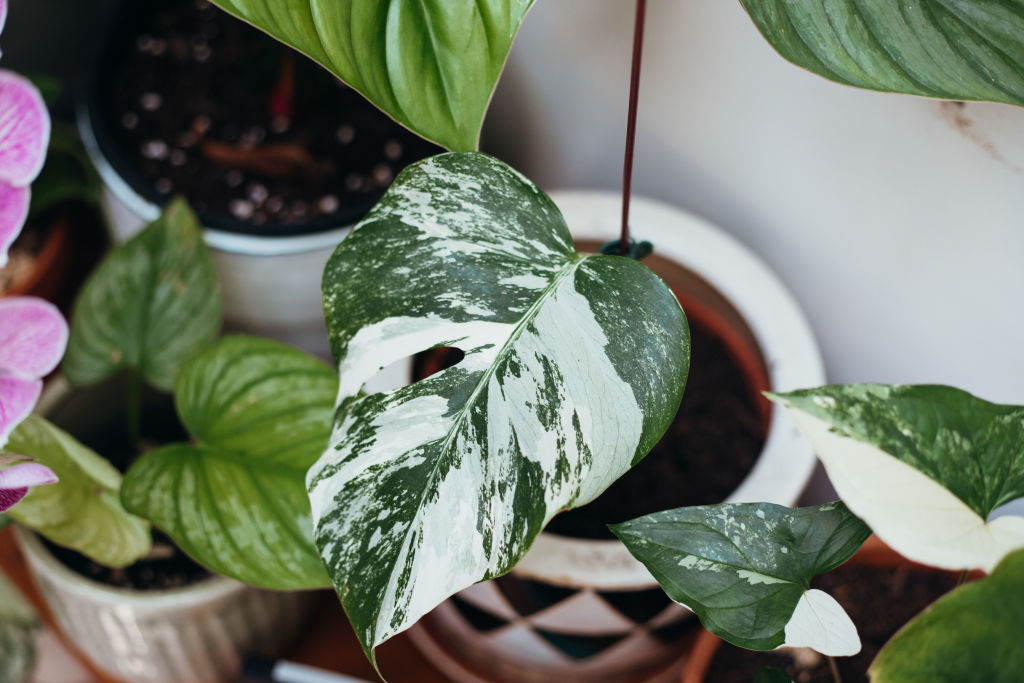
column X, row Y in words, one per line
column 47, row 262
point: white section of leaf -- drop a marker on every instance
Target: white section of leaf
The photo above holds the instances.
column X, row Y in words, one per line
column 756, row 578
column 910, row 511
column 821, row 623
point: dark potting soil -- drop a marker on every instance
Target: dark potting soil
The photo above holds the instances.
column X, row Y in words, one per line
column 710, row 447
column 167, row 566
column 879, row 601
column 258, row 137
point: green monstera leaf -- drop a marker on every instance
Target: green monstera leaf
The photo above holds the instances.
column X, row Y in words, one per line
column 431, row 65
column 745, row 569
column 153, row 303
column 953, row 49
column 924, row 466
column 574, row 367
column 83, row 509
column 972, row 634
column 260, row 414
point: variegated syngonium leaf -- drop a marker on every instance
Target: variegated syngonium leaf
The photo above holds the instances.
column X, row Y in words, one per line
column 924, row 466
column 745, row 569
column 574, row 367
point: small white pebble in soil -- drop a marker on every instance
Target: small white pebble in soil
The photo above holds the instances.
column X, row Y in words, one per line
column 144, row 43
column 150, row 101
column 178, row 157
column 328, row 204
column 201, row 124
column 257, row 193
column 241, row 209
column 158, row 47
column 202, row 52
column 280, row 124
column 253, row 136
column 274, row 204
column 393, row 150
column 130, row 120
column 382, row 174
column 299, row 209
column 234, row 177
column 155, row 149
column 345, row 134
column 163, row 185
column 353, row 182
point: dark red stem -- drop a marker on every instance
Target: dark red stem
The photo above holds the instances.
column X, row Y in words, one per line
column 634, row 96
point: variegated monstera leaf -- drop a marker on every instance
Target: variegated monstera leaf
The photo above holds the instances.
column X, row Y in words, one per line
column 574, row 367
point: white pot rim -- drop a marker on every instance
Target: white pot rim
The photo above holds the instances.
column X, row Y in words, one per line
column 41, row 560
column 787, row 343
column 221, row 240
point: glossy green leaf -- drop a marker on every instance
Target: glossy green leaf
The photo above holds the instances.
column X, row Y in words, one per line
column 429, row 64
column 924, row 466
column 974, row 633
column 67, row 173
column 19, row 625
column 953, row 49
column 152, row 304
column 745, row 569
column 82, row 511
column 235, row 499
column 566, row 382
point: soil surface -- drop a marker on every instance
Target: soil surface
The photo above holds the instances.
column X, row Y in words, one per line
column 258, row 137
column 880, row 601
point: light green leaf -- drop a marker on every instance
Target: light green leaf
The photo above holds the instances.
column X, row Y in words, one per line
column 924, row 466
column 235, row 500
column 19, row 625
column 745, row 569
column 574, row 367
column 953, row 49
column 82, row 511
column 429, row 64
column 153, row 303
column 972, row 634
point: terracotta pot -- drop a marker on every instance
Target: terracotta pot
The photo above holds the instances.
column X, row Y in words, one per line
column 49, row 274
column 586, row 610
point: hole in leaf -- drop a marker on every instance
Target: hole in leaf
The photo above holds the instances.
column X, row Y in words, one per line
column 433, row 361
column 421, row 366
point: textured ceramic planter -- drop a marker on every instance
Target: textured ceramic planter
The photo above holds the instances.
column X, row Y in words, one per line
column 584, row 610
column 195, row 634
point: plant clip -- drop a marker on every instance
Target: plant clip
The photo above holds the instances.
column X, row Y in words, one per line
column 636, row 251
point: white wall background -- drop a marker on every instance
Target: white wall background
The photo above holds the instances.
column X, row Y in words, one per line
column 900, row 233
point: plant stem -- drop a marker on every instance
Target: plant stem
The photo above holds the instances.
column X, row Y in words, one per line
column 963, row 578
column 634, row 96
column 133, row 407
column 835, row 670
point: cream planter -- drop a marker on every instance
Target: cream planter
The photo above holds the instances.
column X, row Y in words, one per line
column 585, row 610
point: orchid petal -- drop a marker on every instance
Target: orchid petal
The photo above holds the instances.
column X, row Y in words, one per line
column 14, row 202
column 18, row 397
column 26, row 474
column 24, row 129
column 8, row 497
column 33, row 336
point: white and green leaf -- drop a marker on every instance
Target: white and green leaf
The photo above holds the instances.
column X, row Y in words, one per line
column 431, row 65
column 235, row 499
column 19, row 626
column 574, row 367
column 974, row 633
column 924, row 466
column 82, row 511
column 153, row 303
column 745, row 569
column 953, row 49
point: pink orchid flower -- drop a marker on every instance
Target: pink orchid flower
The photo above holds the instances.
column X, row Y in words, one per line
column 33, row 336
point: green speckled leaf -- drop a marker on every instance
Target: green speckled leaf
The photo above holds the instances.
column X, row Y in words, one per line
column 953, row 49
column 745, row 569
column 19, row 625
column 429, row 64
column 924, row 466
column 153, row 303
column 972, row 634
column 574, row 367
column 260, row 414
column 82, row 510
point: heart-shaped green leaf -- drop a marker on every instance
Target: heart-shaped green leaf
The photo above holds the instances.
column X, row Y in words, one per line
column 235, row 500
column 972, row 634
column 153, row 303
column 431, row 65
column 82, row 511
column 574, row 367
column 924, row 466
column 18, row 627
column 954, row 49
column 745, row 569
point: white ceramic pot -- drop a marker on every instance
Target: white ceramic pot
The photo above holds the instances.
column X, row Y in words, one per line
column 585, row 610
column 271, row 285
